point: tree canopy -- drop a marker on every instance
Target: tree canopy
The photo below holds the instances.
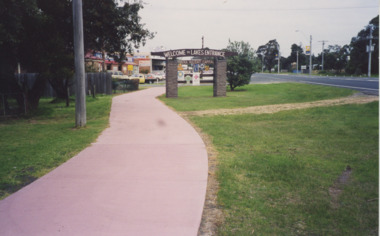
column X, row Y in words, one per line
column 358, row 63
column 292, row 58
column 39, row 35
column 351, row 59
column 335, row 57
column 268, row 53
column 113, row 29
column 17, row 21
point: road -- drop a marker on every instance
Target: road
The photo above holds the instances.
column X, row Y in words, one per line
column 363, row 84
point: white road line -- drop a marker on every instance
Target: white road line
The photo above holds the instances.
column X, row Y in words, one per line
column 340, row 86
column 350, row 79
column 364, row 79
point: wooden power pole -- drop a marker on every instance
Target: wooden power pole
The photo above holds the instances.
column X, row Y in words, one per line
column 323, row 52
column 80, row 93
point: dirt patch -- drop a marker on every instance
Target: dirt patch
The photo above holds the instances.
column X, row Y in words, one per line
column 356, row 99
column 338, row 186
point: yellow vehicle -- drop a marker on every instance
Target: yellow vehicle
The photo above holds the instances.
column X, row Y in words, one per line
column 138, row 76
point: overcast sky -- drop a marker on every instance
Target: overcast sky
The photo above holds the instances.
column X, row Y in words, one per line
column 182, row 23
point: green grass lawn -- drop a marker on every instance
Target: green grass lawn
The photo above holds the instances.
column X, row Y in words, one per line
column 194, row 98
column 275, row 170
column 31, row 147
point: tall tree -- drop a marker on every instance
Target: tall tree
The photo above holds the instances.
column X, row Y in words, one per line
column 39, row 34
column 358, row 63
column 11, row 13
column 268, row 53
column 240, row 67
column 295, row 49
column 335, row 57
column 112, row 28
column 16, row 20
column 53, row 52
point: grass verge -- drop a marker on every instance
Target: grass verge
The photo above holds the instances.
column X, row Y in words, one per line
column 276, row 171
column 191, row 98
column 31, row 147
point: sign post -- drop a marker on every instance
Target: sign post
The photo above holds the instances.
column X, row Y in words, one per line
column 196, row 79
column 181, row 76
column 307, row 52
column 188, row 79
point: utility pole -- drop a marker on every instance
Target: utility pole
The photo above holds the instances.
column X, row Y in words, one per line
column 369, row 50
column 203, row 38
column 297, row 62
column 323, row 49
column 278, row 66
column 80, row 94
column 278, row 58
column 311, row 63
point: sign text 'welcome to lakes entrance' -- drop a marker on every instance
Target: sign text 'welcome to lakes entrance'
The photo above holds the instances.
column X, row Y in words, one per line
column 194, row 52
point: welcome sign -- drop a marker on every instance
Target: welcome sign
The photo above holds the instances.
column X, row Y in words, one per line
column 194, row 52
column 218, row 58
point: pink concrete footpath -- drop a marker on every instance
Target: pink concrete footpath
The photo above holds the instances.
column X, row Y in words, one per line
column 145, row 175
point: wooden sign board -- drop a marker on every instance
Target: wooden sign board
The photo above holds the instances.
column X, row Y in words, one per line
column 197, row 61
column 194, row 52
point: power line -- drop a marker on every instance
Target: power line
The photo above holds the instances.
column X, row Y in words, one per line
column 321, row 8
column 269, row 9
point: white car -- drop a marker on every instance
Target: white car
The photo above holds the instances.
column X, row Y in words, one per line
column 159, row 75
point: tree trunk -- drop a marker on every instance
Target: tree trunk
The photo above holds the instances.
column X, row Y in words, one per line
column 67, row 93
column 59, row 87
column 232, row 87
column 104, row 61
column 35, row 93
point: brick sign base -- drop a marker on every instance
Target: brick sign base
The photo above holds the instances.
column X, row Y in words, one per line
column 171, row 78
column 220, row 68
column 220, row 78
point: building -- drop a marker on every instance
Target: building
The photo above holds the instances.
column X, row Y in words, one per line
column 94, row 63
column 139, row 62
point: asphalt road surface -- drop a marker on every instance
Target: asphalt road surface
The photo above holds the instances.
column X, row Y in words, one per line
column 363, row 84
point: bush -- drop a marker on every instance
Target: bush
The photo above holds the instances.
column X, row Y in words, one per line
column 130, row 84
column 133, row 84
column 358, row 71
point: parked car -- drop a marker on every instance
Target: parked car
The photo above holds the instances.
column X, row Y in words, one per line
column 138, row 76
column 159, row 75
column 118, row 75
column 149, row 78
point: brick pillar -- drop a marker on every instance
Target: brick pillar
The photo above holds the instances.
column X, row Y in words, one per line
column 171, row 78
column 220, row 77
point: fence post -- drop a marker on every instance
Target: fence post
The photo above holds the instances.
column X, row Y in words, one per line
column 109, row 84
